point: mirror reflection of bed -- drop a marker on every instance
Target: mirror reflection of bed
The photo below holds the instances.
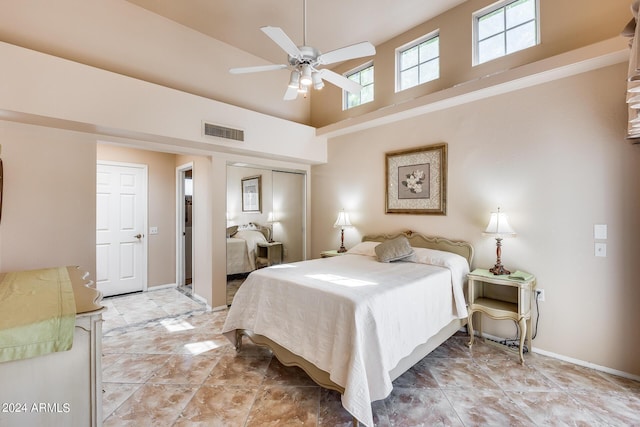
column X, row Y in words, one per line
column 242, row 248
column 279, row 225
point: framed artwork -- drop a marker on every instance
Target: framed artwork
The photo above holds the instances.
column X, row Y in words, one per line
column 251, row 195
column 417, row 180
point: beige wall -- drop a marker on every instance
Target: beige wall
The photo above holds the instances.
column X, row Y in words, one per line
column 565, row 25
column 555, row 159
column 49, row 198
column 161, row 207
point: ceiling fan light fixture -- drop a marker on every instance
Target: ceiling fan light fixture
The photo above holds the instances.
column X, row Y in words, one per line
column 302, row 89
column 317, row 80
column 294, row 80
column 306, row 75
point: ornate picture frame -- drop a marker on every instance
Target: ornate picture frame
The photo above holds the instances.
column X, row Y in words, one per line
column 416, row 180
column 252, row 194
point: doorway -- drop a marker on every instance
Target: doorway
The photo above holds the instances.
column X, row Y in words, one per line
column 184, row 238
column 121, row 216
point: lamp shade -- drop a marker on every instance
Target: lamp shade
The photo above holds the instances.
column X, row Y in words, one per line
column 306, row 79
column 499, row 226
column 343, row 220
column 294, row 80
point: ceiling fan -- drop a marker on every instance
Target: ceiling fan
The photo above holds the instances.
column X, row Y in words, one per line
column 303, row 61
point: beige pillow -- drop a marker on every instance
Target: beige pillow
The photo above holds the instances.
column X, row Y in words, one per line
column 394, row 250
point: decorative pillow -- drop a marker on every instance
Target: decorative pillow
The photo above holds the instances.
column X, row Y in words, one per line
column 364, row 248
column 232, row 230
column 395, row 249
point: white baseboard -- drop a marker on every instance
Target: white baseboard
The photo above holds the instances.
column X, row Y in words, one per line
column 574, row 361
column 159, row 287
column 201, row 299
column 587, row 364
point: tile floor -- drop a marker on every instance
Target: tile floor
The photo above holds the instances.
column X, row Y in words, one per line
column 165, row 364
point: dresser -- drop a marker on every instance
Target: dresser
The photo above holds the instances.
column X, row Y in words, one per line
column 63, row 388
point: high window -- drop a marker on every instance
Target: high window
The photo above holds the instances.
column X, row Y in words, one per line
column 363, row 76
column 505, row 27
column 418, row 62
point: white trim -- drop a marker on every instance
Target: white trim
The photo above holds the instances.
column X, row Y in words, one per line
column 587, row 364
column 410, row 45
column 345, row 96
column 490, row 9
column 571, row 360
column 208, row 307
column 160, row 287
column 180, row 250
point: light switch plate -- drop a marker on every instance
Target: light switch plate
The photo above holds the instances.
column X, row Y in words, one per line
column 153, row 230
column 600, row 231
column 601, row 249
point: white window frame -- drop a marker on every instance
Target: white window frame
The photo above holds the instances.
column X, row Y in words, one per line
column 411, row 45
column 490, row 9
column 345, row 94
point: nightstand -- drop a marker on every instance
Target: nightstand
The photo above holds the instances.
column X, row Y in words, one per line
column 268, row 253
column 501, row 297
column 333, row 252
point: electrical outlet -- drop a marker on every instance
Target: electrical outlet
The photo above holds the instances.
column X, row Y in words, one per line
column 540, row 294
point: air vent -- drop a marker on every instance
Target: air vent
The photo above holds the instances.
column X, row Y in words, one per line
column 223, row 132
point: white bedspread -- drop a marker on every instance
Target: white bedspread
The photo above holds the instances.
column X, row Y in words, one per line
column 351, row 316
column 241, row 251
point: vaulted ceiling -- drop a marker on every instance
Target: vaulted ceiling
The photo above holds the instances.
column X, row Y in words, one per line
column 330, row 24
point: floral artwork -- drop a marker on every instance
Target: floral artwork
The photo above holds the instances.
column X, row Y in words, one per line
column 412, row 182
column 416, row 180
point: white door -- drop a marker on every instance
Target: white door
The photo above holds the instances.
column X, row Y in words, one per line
column 121, row 211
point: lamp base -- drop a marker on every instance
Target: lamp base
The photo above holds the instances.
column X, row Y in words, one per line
column 342, row 249
column 499, row 270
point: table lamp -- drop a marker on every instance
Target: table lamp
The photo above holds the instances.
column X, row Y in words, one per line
column 499, row 228
column 341, row 223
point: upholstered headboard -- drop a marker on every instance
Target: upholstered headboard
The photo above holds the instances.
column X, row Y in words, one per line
column 418, row 240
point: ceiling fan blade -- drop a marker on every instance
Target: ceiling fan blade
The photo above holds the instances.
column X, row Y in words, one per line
column 281, row 39
column 340, row 81
column 291, row 93
column 256, row 69
column 357, row 50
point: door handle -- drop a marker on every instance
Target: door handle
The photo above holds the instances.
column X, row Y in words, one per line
column 138, row 236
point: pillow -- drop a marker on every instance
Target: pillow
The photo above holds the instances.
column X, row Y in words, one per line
column 232, row 230
column 364, row 248
column 394, row 250
column 250, row 226
column 440, row 258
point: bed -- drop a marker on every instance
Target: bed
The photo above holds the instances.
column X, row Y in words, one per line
column 241, row 247
column 370, row 321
